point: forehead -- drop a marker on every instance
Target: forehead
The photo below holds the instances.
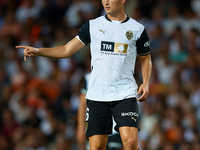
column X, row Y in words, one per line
column 112, row 0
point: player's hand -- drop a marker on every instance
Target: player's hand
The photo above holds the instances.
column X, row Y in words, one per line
column 29, row 51
column 144, row 90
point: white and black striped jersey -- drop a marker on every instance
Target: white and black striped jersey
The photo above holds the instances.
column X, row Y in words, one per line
column 114, row 46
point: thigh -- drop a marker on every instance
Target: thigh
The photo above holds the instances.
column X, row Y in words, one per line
column 98, row 142
column 98, row 118
column 126, row 113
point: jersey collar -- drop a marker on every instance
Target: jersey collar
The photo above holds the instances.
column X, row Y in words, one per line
column 127, row 18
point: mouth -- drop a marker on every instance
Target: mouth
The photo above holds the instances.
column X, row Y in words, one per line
column 107, row 8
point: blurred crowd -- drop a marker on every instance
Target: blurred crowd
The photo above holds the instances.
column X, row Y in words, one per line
column 39, row 98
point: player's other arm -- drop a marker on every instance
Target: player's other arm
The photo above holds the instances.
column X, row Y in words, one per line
column 146, row 67
column 57, row 52
column 143, row 50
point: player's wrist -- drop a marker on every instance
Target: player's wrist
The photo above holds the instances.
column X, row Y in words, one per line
column 146, row 83
column 37, row 50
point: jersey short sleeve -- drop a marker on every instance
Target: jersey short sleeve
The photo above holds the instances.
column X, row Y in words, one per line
column 84, row 33
column 143, row 44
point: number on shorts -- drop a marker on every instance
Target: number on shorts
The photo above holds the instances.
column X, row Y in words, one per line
column 87, row 114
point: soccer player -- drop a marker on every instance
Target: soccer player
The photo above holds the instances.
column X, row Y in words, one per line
column 115, row 39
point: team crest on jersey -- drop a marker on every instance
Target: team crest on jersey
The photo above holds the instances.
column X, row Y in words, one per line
column 129, row 34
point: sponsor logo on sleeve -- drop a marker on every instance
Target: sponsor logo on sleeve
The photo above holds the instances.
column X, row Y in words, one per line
column 147, row 44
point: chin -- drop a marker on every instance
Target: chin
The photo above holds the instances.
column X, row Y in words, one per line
column 108, row 12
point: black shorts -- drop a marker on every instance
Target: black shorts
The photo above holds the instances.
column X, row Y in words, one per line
column 99, row 115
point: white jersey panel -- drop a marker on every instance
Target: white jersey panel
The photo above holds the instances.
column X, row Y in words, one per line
column 113, row 50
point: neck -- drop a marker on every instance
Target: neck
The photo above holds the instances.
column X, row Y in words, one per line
column 117, row 17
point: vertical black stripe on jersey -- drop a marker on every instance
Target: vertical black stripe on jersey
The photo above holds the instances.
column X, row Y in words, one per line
column 84, row 33
column 142, row 48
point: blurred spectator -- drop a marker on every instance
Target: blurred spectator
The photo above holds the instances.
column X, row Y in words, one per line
column 148, row 120
column 177, row 46
column 10, row 26
column 53, row 11
column 19, row 107
column 157, row 39
column 195, row 5
column 79, row 11
column 4, row 144
column 27, row 9
column 32, row 141
column 8, row 125
column 172, row 21
column 190, row 21
column 164, row 66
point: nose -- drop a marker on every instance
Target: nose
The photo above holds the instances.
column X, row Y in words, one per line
column 107, row 2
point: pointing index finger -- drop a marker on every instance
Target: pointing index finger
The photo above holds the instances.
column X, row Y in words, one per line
column 23, row 47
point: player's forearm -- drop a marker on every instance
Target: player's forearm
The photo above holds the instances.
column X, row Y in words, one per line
column 146, row 67
column 56, row 52
column 62, row 51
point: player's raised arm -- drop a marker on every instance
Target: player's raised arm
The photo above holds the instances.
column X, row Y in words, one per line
column 56, row 52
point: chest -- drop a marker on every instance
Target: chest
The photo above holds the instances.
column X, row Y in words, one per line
column 116, row 39
column 114, row 33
